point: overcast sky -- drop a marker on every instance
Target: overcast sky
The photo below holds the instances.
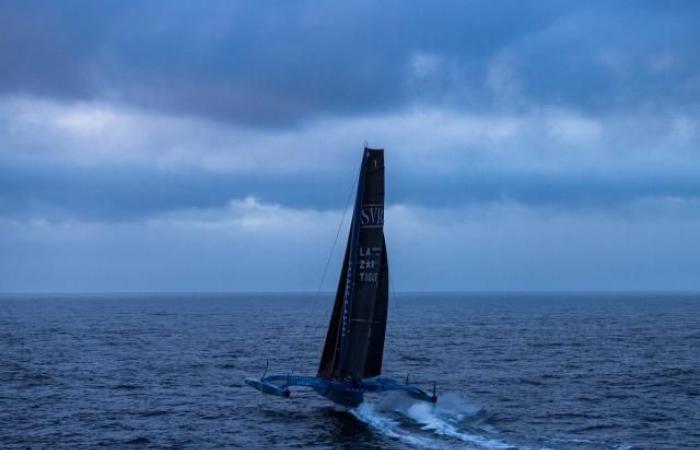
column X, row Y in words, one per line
column 190, row 146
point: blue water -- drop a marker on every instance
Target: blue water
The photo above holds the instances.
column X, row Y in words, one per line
column 559, row 371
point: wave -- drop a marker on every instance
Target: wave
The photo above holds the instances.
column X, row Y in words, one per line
column 443, row 422
column 391, row 428
column 424, row 414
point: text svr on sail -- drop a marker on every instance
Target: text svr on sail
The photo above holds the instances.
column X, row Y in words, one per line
column 372, row 216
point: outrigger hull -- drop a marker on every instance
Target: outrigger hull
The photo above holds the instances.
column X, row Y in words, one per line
column 340, row 392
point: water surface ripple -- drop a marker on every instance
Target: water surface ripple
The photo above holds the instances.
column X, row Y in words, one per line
column 570, row 371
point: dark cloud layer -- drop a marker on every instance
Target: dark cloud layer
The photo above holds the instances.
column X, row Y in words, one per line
column 272, row 63
column 128, row 195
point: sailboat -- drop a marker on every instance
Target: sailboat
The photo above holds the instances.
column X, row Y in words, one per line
column 351, row 362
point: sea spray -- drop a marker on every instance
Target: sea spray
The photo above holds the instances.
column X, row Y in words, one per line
column 389, row 427
column 424, row 414
column 447, row 418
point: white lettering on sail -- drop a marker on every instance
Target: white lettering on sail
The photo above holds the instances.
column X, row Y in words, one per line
column 371, row 216
column 368, row 264
column 368, row 277
column 346, row 310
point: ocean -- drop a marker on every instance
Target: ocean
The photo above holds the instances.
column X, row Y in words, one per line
column 513, row 371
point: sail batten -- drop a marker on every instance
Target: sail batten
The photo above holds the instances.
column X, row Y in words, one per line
column 355, row 340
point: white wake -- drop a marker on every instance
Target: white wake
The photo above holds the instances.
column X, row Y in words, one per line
column 425, row 415
column 443, row 421
column 391, row 428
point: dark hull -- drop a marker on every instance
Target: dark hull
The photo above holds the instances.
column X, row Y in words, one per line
column 345, row 398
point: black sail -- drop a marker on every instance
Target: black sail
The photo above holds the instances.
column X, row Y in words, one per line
column 355, row 340
column 330, row 349
column 375, row 350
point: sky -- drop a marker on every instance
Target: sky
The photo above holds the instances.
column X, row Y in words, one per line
column 190, row 146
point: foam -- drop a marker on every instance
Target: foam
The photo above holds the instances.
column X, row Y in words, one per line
column 391, row 428
column 424, row 414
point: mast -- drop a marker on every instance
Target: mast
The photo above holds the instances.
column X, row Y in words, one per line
column 354, row 343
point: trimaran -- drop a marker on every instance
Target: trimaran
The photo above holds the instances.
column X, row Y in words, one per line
column 351, row 363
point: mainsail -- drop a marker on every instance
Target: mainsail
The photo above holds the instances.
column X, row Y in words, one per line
column 354, row 344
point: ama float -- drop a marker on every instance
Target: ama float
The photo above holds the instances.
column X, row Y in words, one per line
column 351, row 362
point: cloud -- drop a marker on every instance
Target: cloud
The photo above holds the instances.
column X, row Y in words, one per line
column 245, row 245
column 528, row 145
column 280, row 64
column 247, row 215
column 104, row 162
column 252, row 245
column 443, row 140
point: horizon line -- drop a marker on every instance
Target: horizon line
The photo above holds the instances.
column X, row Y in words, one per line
column 318, row 293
